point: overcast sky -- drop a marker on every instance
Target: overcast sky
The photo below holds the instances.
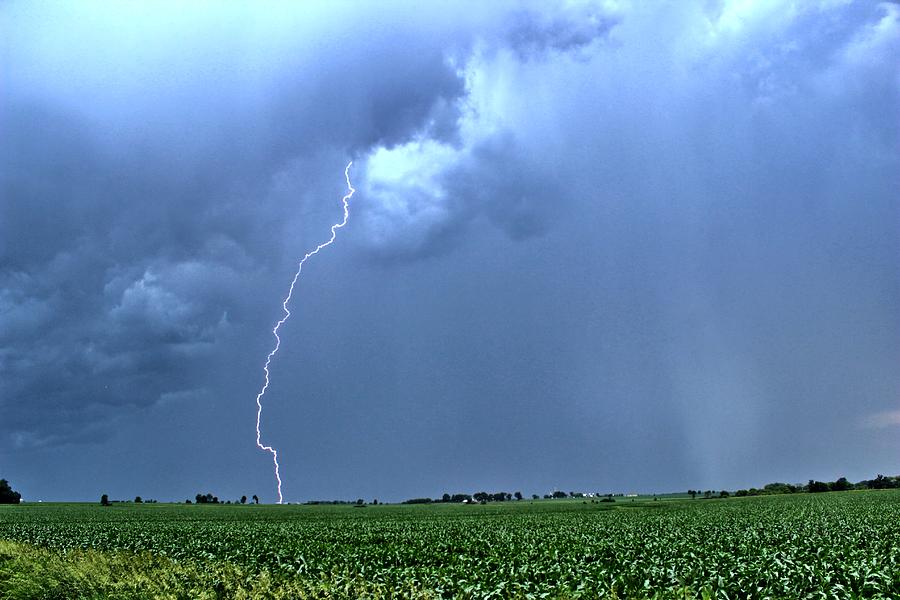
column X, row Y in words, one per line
column 594, row 246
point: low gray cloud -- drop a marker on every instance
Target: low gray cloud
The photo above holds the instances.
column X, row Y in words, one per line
column 531, row 33
column 890, row 418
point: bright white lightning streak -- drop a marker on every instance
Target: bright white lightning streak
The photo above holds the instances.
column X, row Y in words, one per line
column 287, row 315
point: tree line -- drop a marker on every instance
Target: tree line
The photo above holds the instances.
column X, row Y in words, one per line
column 210, row 499
column 199, row 499
column 479, row 497
column 485, row 497
column 880, row 482
column 841, row 484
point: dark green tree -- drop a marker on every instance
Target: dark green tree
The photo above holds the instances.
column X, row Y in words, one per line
column 104, row 500
column 841, row 485
column 882, row 483
column 817, row 486
column 243, row 499
column 7, row 494
column 255, row 499
column 779, row 488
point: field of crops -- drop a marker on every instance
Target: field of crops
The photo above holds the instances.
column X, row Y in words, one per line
column 835, row 545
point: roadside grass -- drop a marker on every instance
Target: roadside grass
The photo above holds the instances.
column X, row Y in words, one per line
column 31, row 573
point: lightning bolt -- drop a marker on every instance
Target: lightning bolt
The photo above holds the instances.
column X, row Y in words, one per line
column 287, row 315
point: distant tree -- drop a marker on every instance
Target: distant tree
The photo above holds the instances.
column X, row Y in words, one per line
column 138, row 500
column 692, row 494
column 243, row 499
column 815, row 487
column 360, row 501
column 188, row 501
column 707, row 494
column 883, row 483
column 255, row 499
column 518, row 495
column 7, row 494
column 841, row 485
column 559, row 494
column 206, row 499
column 445, row 498
column 879, row 483
column 104, row 500
column 375, row 501
column 535, row 497
column 724, row 494
column 740, row 493
column 778, row 488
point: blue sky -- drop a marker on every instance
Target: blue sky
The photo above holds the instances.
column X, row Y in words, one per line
column 606, row 246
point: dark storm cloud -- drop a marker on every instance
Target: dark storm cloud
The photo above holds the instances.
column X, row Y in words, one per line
column 139, row 201
column 520, row 194
column 123, row 253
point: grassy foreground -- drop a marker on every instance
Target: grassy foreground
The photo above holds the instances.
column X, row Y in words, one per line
column 836, row 545
column 29, row 572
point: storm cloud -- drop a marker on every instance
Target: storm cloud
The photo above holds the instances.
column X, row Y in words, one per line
column 580, row 227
